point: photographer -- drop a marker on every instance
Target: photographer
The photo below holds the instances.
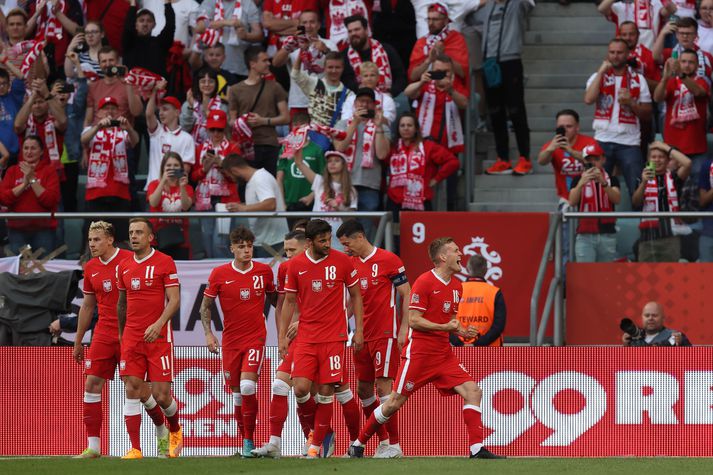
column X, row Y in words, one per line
column 641, row 59
column 653, row 332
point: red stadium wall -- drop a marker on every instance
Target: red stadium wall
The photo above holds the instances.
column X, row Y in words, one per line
column 512, row 243
column 600, row 295
column 571, row 402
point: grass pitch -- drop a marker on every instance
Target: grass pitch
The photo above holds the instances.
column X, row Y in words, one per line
column 412, row 466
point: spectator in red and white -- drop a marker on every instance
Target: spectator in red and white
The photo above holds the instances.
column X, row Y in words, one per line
column 201, row 100
column 31, row 186
column 112, row 85
column 564, row 152
column 392, row 75
column 687, row 96
column 336, row 11
column 107, row 162
column 311, row 50
column 622, row 100
column 169, row 194
column 265, row 103
column 415, row 167
column 648, row 15
column 43, row 115
column 394, row 22
column 281, row 18
column 18, row 47
column 237, row 25
column 141, row 49
column 593, row 192
column 685, row 8
column 686, row 30
column 659, row 190
column 166, row 134
column 370, row 79
column 87, row 45
column 55, row 21
column 12, row 94
column 705, row 26
column 212, row 185
column 213, row 57
column 641, row 58
column 441, row 39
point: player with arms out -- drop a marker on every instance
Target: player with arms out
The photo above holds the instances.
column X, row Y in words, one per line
column 104, row 353
column 320, row 279
column 241, row 287
column 295, row 245
column 149, row 296
column 428, row 358
column 383, row 281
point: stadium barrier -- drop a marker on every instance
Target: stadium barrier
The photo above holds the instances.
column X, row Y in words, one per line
column 538, row 401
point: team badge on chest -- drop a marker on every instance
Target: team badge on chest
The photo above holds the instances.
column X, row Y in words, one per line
column 317, row 285
column 107, row 285
column 364, row 283
column 446, row 307
column 135, row 283
column 245, row 294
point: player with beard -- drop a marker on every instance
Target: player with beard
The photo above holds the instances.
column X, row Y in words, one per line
column 428, row 358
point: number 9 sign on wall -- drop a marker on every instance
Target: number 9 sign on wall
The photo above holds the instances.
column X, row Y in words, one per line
column 512, row 243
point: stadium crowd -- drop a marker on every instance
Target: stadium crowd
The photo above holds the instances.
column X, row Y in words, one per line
column 335, row 106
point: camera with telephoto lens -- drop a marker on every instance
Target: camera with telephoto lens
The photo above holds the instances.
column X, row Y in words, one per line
column 113, row 71
column 628, row 327
column 369, row 114
column 114, row 123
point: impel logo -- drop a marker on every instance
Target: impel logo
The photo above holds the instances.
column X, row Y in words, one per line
column 636, row 393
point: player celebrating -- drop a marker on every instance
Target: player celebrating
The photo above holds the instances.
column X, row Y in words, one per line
column 320, row 279
column 381, row 275
column 148, row 297
column 427, row 358
column 241, row 286
column 294, row 245
column 104, row 353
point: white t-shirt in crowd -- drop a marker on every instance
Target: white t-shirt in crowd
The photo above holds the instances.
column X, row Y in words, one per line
column 186, row 12
column 383, row 100
column 613, row 131
column 625, row 11
column 163, row 140
column 296, row 98
column 263, row 186
column 705, row 38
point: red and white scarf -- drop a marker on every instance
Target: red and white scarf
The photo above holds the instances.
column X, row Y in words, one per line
column 242, row 136
column 219, row 15
column 31, row 57
column 214, row 183
column 108, row 149
column 209, row 38
column 312, row 60
column 367, row 146
column 426, row 113
column 295, row 140
column 331, row 132
column 608, row 96
column 199, row 132
column 144, row 80
column 684, row 106
column 407, row 170
column 595, row 199
column 379, row 57
column 338, row 11
column 50, row 135
column 431, row 40
column 651, row 204
column 48, row 24
column 643, row 13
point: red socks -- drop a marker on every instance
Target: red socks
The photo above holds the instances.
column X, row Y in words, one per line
column 306, row 412
column 352, row 417
column 322, row 421
column 249, row 415
column 278, row 414
column 92, row 418
column 474, row 424
column 381, row 432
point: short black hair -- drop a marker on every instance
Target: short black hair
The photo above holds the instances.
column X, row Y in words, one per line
column 571, row 112
column 142, row 220
column 234, row 160
column 241, row 234
column 299, row 235
column 300, row 223
column 619, row 40
column 301, row 118
column 349, row 228
column 4, row 74
column 687, row 22
column 353, row 18
column 251, row 54
column 35, row 138
column 316, row 227
column 689, row 51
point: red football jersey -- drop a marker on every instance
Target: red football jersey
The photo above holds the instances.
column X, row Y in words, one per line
column 379, row 274
column 145, row 283
column 438, row 300
column 281, row 274
column 567, row 167
column 100, row 281
column 321, row 288
column 242, row 299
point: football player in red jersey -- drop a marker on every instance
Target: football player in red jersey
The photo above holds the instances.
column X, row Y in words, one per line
column 104, row 353
column 242, row 286
column 294, row 245
column 149, row 296
column 428, row 358
column 320, row 279
column 382, row 277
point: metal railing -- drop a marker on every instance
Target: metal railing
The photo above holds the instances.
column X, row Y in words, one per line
column 384, row 236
